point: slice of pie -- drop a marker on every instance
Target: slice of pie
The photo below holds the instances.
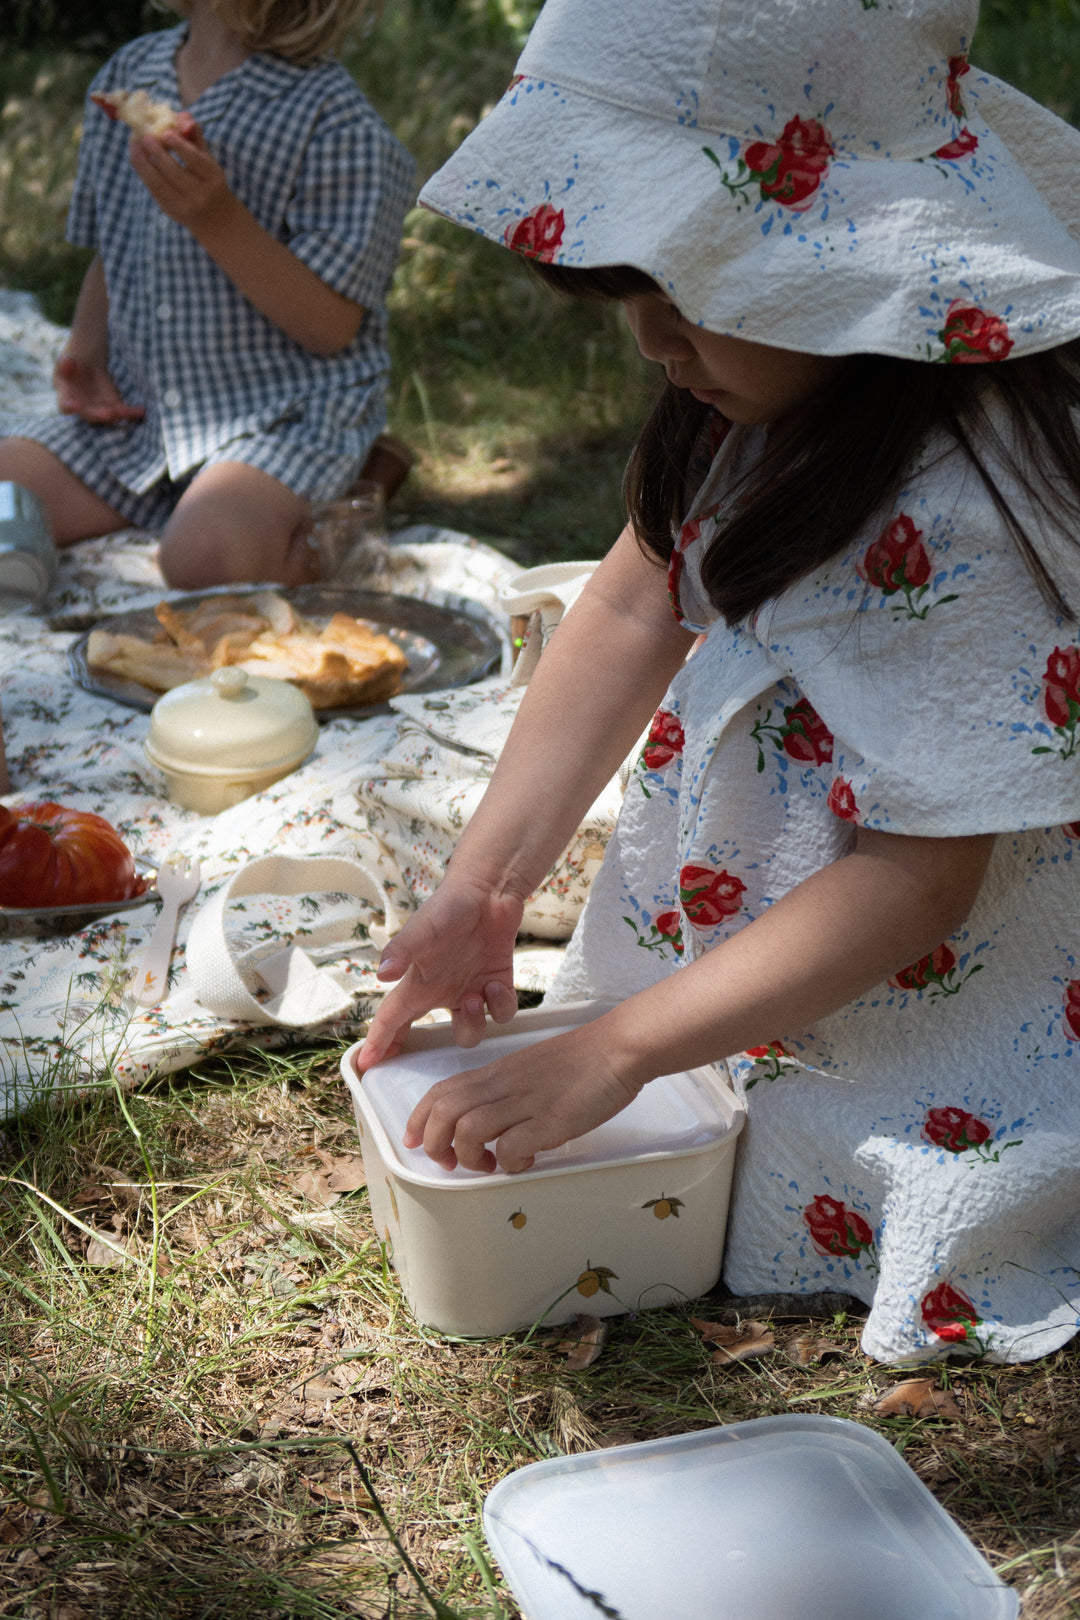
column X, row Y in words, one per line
column 345, row 663
column 139, row 111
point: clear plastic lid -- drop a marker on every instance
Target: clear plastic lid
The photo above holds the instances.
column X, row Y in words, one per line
column 674, row 1114
column 780, row 1518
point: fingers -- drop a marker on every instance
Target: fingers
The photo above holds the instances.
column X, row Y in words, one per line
column 468, row 1021
column 391, row 967
column 88, row 391
column 451, row 1133
column 383, row 1039
column 502, row 1001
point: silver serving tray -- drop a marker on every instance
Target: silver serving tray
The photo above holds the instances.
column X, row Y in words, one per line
column 444, row 648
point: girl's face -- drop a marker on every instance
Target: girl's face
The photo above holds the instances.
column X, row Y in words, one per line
column 746, row 382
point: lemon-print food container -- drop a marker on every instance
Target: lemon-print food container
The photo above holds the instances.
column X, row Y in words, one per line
column 629, row 1217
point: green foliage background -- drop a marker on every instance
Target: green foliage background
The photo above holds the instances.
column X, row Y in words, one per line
column 522, row 407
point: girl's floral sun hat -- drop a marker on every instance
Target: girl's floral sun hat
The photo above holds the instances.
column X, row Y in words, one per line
column 830, row 176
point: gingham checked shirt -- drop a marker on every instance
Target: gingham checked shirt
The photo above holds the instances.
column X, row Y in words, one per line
column 305, row 152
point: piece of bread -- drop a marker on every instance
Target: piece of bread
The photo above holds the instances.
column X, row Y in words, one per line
column 138, row 110
column 344, row 664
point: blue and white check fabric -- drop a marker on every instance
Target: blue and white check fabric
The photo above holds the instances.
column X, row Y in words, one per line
column 305, row 152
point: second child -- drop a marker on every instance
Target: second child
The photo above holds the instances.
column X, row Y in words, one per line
column 227, row 361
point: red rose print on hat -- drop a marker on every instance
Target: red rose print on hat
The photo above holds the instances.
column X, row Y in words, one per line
column 787, row 171
column 950, row 1314
column 802, row 735
column 964, row 144
column 1072, row 1010
column 898, row 563
column 538, row 235
column 957, row 1131
column 791, row 171
column 841, row 800
column 836, row 1229
column 709, row 896
column 973, row 336
column 958, row 66
column 665, row 741
column 1071, row 829
column 1060, row 700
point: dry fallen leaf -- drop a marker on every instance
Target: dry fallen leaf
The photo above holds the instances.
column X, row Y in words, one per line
column 917, row 1397
column 108, row 1249
column 345, row 1173
column 312, row 1184
column 120, row 1186
column 337, row 1174
column 581, row 1342
column 740, row 1343
column 805, row 1350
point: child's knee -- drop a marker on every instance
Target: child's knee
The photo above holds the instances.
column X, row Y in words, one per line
column 235, row 525
column 71, row 509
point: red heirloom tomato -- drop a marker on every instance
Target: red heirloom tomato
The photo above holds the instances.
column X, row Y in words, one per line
column 50, row 856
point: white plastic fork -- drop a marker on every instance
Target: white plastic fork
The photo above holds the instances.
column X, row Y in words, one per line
column 178, row 879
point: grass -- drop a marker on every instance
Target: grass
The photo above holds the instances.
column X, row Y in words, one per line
column 210, row 1428
column 242, row 1417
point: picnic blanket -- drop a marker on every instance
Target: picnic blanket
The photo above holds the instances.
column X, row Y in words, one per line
column 65, row 1020
column 64, row 1016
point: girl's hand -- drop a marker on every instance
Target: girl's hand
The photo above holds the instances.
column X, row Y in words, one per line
column 456, row 952
column 185, row 181
column 537, row 1098
column 84, row 388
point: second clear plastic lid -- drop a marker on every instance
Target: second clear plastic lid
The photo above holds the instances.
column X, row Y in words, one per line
column 779, row 1518
column 674, row 1114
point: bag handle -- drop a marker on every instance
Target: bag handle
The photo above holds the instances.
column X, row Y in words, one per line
column 536, row 600
column 303, row 993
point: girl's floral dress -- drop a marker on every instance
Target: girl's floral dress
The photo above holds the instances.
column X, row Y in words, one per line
column 920, row 1148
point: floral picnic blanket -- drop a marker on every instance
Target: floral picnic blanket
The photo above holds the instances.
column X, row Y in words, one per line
column 64, row 1017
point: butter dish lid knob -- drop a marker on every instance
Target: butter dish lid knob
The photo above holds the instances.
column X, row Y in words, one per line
column 229, row 681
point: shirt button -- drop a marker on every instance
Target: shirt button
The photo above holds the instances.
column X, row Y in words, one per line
column 171, row 398
column 164, row 312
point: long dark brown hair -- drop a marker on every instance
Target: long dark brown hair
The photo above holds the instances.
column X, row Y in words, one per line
column 846, row 455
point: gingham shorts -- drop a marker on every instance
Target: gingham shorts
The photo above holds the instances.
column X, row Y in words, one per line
column 309, row 469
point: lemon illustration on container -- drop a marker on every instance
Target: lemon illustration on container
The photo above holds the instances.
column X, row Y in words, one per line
column 596, row 1279
column 517, row 1220
column 663, row 1207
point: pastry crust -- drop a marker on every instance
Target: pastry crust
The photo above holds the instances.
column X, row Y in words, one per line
column 138, row 110
column 344, row 664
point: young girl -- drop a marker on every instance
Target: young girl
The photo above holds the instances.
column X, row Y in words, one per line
column 849, row 857
column 227, row 359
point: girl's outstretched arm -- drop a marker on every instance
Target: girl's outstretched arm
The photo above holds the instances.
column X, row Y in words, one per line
column 865, row 916
column 593, row 693
column 189, row 185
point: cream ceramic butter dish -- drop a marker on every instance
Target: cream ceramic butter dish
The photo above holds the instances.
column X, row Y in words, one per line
column 226, row 736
